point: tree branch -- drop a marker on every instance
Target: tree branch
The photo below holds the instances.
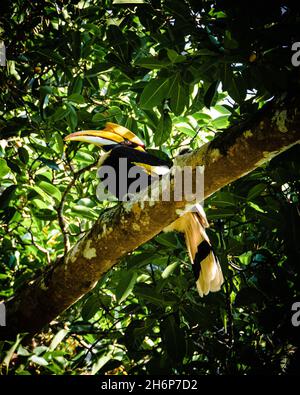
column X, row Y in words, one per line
column 124, row 228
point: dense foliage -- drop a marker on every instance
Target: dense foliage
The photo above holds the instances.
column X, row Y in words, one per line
column 176, row 73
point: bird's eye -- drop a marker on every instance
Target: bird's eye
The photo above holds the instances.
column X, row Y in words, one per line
column 128, row 142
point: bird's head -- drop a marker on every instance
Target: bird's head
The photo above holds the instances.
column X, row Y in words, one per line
column 111, row 135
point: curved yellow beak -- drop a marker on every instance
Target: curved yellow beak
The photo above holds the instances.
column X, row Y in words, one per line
column 111, row 134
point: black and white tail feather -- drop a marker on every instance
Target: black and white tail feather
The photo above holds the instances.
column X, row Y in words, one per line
column 206, row 266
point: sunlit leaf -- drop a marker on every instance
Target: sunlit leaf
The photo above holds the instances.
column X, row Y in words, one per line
column 4, row 169
column 50, row 190
column 154, row 92
column 58, row 338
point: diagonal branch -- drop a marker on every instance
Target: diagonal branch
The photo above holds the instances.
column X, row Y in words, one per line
column 122, row 229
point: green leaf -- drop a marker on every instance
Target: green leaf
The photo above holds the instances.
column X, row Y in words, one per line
column 76, row 86
column 6, row 196
column 98, row 68
column 179, row 95
column 110, row 113
column 11, row 351
column 23, row 155
column 245, row 258
column 173, row 339
column 202, row 116
column 234, row 84
column 42, row 146
column 39, row 350
column 229, row 42
column 256, row 207
column 221, row 109
column 163, row 129
column 220, row 122
column 90, row 307
column 45, row 90
column 169, row 270
column 221, row 213
column 256, row 191
column 154, row 92
column 45, row 214
column 72, row 116
column 160, row 154
column 136, row 261
column 174, row 56
column 206, row 52
column 167, row 240
column 76, row 98
column 101, row 362
column 223, row 199
column 60, row 143
column 135, row 334
column 38, row 360
column 76, row 44
column 40, row 204
column 210, row 94
column 237, row 89
column 4, row 169
column 152, row 63
column 50, row 163
column 188, row 131
column 58, row 338
column 84, row 156
column 44, row 195
column 53, row 56
column 22, row 351
column 125, row 286
column 51, row 190
column 85, row 212
column 193, row 315
column 60, row 113
column 152, row 118
column 149, row 294
column 128, row 1
column 87, row 202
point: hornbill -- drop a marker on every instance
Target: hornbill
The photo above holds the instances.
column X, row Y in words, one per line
column 120, row 143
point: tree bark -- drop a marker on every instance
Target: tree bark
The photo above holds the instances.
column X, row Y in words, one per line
column 122, row 229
